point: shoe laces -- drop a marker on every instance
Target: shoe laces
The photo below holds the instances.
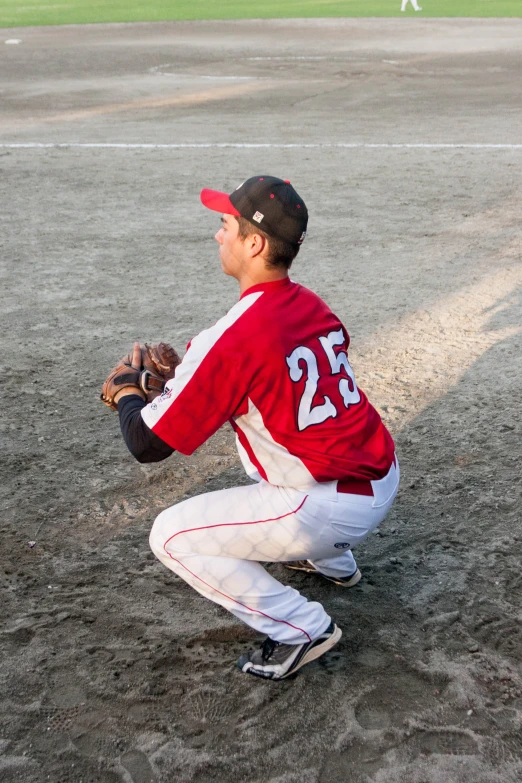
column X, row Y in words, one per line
column 268, row 647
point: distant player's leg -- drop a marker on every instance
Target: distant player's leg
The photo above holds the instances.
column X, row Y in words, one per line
column 214, row 541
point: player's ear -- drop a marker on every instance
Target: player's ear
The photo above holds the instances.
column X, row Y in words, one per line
column 257, row 244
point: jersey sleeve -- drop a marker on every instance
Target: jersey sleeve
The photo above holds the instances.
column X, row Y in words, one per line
column 208, row 388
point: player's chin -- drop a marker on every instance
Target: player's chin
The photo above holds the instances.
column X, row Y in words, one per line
column 226, row 269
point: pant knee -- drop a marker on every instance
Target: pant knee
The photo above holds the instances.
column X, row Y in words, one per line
column 159, row 535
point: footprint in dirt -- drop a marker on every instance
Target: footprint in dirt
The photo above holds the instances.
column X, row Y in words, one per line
column 219, row 646
column 501, row 634
column 347, row 765
column 66, row 705
column 207, row 706
column 208, row 713
column 137, row 765
column 369, row 756
column 444, row 742
column 395, row 698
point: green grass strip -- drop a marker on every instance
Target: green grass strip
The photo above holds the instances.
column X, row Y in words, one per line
column 19, row 13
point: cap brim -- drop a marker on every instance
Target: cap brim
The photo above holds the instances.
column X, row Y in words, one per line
column 217, row 201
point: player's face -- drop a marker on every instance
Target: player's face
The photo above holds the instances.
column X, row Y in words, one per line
column 231, row 246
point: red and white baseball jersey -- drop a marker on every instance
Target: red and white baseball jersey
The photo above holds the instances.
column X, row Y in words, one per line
column 276, row 366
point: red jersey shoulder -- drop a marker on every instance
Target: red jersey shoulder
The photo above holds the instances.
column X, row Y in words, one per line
column 285, row 314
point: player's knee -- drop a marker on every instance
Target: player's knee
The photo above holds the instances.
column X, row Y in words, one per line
column 158, row 534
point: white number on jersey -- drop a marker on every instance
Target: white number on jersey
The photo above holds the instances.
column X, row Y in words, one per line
column 309, row 414
column 347, row 386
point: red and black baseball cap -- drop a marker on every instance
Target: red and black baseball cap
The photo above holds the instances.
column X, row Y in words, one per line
column 268, row 203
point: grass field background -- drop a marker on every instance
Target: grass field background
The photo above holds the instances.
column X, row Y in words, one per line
column 16, row 13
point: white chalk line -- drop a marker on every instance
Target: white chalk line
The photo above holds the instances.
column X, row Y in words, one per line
column 238, row 145
column 158, row 70
column 291, row 57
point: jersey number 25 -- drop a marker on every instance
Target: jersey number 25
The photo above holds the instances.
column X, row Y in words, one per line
column 308, row 413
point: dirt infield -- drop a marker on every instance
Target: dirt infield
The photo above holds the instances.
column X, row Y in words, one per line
column 113, row 669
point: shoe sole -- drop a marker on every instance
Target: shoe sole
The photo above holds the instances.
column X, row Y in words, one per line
column 355, row 578
column 314, row 652
column 306, row 569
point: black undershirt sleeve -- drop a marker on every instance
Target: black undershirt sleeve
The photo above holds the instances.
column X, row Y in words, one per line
column 141, row 441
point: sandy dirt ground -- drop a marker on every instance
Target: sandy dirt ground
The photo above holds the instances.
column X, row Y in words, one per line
column 113, row 670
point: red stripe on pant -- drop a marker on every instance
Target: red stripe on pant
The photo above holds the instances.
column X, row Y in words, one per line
column 229, row 598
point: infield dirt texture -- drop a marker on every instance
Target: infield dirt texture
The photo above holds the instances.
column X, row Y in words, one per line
column 113, row 670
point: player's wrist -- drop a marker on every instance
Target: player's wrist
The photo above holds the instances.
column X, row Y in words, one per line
column 128, row 390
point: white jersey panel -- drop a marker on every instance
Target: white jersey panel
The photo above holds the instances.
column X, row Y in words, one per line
column 250, row 469
column 200, row 347
column 281, row 467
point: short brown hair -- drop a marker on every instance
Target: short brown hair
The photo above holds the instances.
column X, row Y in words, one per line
column 280, row 253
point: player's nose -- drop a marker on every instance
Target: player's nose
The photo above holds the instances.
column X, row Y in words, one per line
column 219, row 236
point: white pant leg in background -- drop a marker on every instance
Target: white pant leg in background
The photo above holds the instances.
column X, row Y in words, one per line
column 414, row 3
column 216, row 541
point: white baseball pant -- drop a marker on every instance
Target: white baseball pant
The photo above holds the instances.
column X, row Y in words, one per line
column 216, row 543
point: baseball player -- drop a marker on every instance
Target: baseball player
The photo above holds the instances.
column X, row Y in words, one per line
column 324, row 470
column 416, row 6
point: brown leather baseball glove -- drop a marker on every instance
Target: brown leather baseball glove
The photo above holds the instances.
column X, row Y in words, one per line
column 146, row 368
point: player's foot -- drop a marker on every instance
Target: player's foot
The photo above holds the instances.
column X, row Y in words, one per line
column 344, row 581
column 275, row 661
